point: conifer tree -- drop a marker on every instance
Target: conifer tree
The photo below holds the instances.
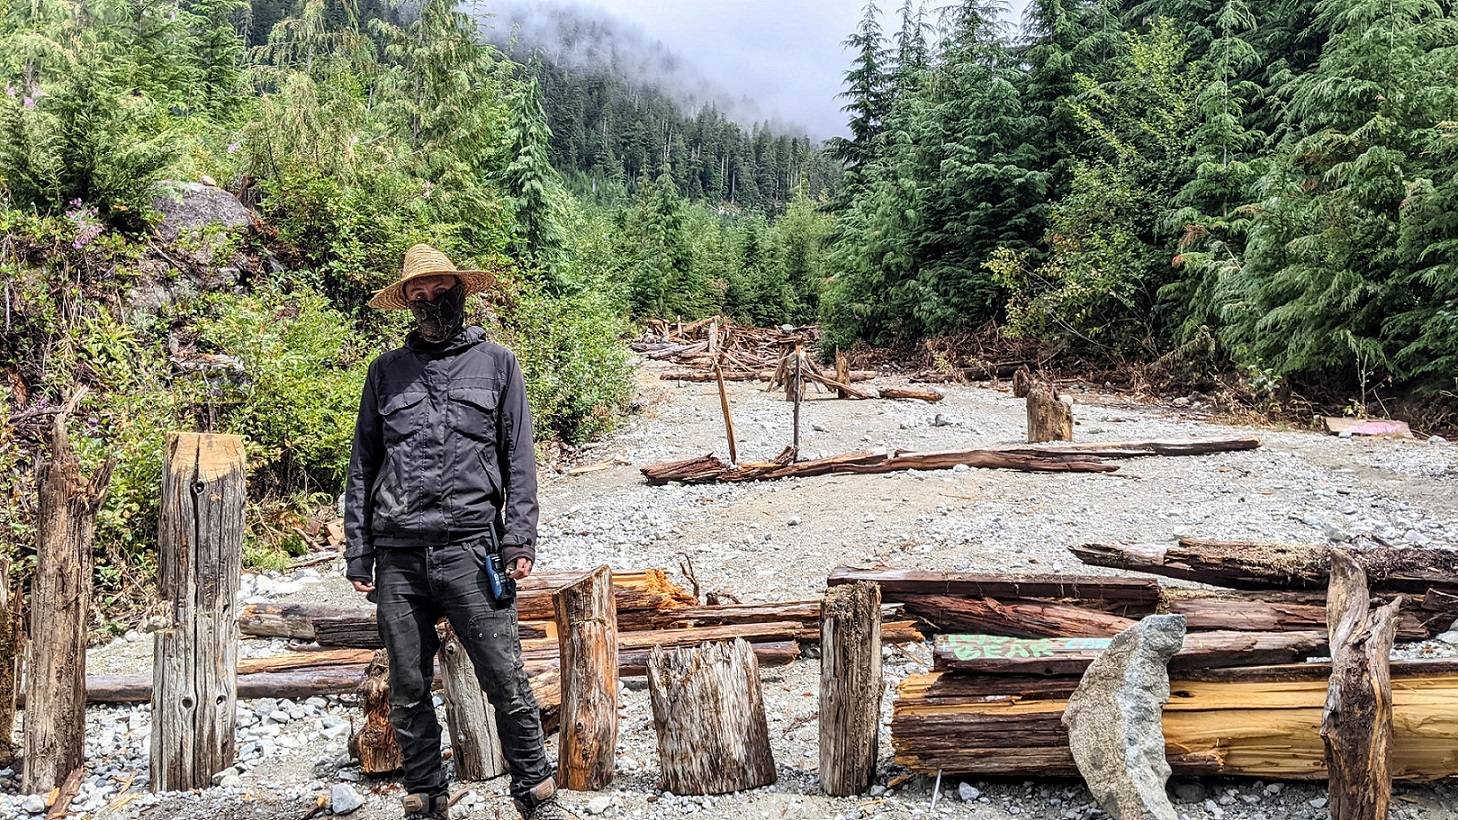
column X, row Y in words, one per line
column 865, row 95
column 532, row 182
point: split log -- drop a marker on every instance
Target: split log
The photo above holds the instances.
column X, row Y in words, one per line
column 1261, row 722
column 1140, row 449
column 60, row 799
column 1256, row 565
column 1015, row 618
column 195, row 657
column 587, row 629
column 375, row 745
column 475, row 745
column 1049, row 417
column 1140, row 594
column 997, row 654
column 1356, row 725
column 850, row 687
column 708, row 712
column 60, row 608
column 709, row 468
column 12, row 647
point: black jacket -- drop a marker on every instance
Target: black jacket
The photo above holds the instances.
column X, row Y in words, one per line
column 442, row 452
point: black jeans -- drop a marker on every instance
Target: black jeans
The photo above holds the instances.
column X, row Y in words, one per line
column 414, row 588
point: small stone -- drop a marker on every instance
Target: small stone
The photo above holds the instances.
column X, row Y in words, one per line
column 230, row 781
column 1189, row 792
column 1437, row 440
column 1450, row 637
column 279, row 716
column 968, row 792
column 350, row 775
column 1317, row 802
column 218, row 778
column 343, row 799
column 877, row 790
column 599, row 804
column 33, row 804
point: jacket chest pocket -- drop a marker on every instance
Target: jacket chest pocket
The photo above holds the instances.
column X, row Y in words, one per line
column 472, row 412
column 403, row 414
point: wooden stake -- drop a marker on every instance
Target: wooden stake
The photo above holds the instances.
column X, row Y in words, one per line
column 375, row 745
column 1356, row 725
column 708, row 711
column 850, row 687
column 797, row 388
column 12, row 644
column 724, row 407
column 194, row 689
column 587, row 630
column 55, row 720
column 475, row 745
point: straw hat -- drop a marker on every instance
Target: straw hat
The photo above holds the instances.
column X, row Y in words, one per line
column 423, row 260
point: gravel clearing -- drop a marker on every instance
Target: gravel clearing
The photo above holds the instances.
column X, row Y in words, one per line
column 777, row 540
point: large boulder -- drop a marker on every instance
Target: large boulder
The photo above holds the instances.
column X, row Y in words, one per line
column 196, row 209
column 1115, row 720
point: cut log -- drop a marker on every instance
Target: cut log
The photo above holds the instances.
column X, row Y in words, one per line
column 1015, row 618
column 1140, row 594
column 375, row 745
column 850, row 687
column 1356, row 725
column 1261, row 722
column 708, row 712
column 928, row 396
column 1140, row 449
column 1278, row 611
column 12, row 647
column 288, row 620
column 997, row 654
column 1256, row 565
column 60, row 607
column 634, row 662
column 475, row 745
column 587, row 629
column 195, row 657
column 1049, row 417
column 709, row 468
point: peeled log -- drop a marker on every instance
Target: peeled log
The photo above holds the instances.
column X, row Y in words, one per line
column 850, row 687
column 708, row 711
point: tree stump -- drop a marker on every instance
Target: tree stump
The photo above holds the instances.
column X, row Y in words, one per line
column 12, row 645
column 587, row 633
column 708, row 711
column 475, row 746
column 1356, row 724
column 842, row 373
column 60, row 598
column 1022, row 382
column 195, row 660
column 375, row 745
column 850, row 687
column 1049, row 417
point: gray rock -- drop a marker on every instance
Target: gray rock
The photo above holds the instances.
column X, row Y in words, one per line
column 33, row 804
column 599, row 804
column 1190, row 791
column 343, row 799
column 195, row 208
column 968, row 792
column 230, row 781
column 1114, row 720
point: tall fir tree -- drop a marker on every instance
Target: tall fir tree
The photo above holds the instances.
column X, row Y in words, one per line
column 533, row 182
column 866, row 98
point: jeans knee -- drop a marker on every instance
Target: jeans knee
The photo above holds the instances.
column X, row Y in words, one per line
column 408, row 691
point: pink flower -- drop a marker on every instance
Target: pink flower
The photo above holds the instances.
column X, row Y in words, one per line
column 28, row 102
column 234, row 147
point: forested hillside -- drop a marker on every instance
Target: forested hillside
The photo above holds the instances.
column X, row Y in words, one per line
column 1264, row 185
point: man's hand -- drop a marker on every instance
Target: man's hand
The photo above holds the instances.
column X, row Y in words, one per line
column 521, row 568
column 363, row 587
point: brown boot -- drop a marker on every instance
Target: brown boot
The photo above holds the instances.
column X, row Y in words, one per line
column 541, row 803
column 427, row 806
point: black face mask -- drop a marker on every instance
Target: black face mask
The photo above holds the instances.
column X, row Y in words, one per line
column 440, row 318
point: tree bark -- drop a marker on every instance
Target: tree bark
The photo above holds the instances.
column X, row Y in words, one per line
column 60, row 608
column 850, row 687
column 996, row 654
column 200, row 551
column 375, row 745
column 12, row 647
column 708, row 711
column 1356, row 724
column 475, row 746
column 587, row 629
column 1049, row 417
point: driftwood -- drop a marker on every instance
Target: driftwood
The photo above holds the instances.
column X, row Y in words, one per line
column 750, row 376
column 194, row 690
column 728, row 417
column 1356, row 725
column 1014, row 617
column 850, row 687
column 1140, row 594
column 997, row 654
column 708, row 712
column 1140, row 449
column 60, row 607
column 12, row 645
column 1049, row 417
column 1250, row 722
column 1256, row 565
column 475, row 745
column 375, row 745
column 1286, row 611
column 708, row 468
column 587, row 629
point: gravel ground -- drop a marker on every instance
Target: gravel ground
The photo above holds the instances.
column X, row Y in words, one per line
column 777, row 540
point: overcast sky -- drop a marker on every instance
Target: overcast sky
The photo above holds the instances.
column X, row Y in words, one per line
column 785, row 54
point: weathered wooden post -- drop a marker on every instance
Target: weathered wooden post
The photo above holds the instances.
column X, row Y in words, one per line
column 1356, row 724
column 850, row 686
column 587, row 632
column 842, row 373
column 195, row 660
column 375, row 745
column 1049, row 417
column 708, row 710
column 724, row 408
column 12, row 644
column 60, row 607
column 475, row 746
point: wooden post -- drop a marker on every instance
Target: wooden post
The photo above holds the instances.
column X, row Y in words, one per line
column 1356, row 724
column 474, row 743
column 708, row 711
column 60, row 607
column 375, row 745
column 12, row 644
column 850, row 687
column 1049, row 417
column 587, row 633
column 842, row 373
column 714, row 337
column 795, row 389
column 195, row 660
column 724, row 407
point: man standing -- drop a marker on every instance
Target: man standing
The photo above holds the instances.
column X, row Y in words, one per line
column 442, row 476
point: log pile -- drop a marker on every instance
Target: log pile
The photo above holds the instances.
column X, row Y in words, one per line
column 745, row 353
